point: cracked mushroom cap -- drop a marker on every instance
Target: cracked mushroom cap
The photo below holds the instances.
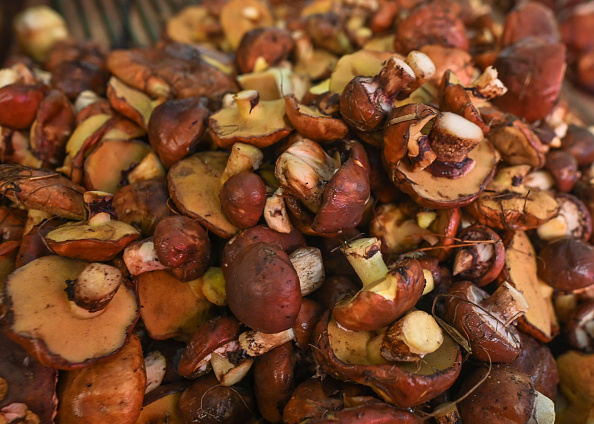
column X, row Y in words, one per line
column 53, row 329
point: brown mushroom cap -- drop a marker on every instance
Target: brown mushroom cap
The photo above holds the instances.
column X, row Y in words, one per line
column 567, row 264
column 403, row 385
column 490, row 339
column 55, row 330
column 19, row 103
column 380, row 303
column 263, row 288
column 88, row 394
column 506, row 396
column 313, row 124
column 208, row 337
column 182, row 244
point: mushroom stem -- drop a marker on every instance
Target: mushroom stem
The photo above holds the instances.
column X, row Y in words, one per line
column 248, row 103
column 394, row 76
column 453, row 137
column 507, row 304
column 243, row 157
column 256, row 343
column 94, row 287
column 366, row 258
column 544, row 410
column 309, row 265
column 412, row 337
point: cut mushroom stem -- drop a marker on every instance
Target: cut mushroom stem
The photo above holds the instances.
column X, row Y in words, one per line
column 394, row 76
column 507, row 304
column 95, row 286
column 243, row 157
column 544, row 410
column 256, row 343
column 366, row 258
column 471, row 256
column 309, row 265
column 423, row 68
column 453, row 137
column 248, row 103
column 412, row 337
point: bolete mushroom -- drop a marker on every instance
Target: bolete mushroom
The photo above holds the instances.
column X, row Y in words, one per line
column 55, row 330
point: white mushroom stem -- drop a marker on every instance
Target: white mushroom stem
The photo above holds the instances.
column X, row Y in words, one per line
column 155, row 365
column 243, row 157
column 506, row 304
column 309, row 265
column 275, row 213
column 366, row 258
column 256, row 343
column 248, row 102
column 394, row 76
column 465, row 259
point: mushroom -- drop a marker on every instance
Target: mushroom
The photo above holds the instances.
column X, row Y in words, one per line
column 401, row 384
column 573, row 220
column 175, row 128
column 482, row 259
column 182, row 245
column 518, row 143
column 486, row 321
column 171, row 308
column 55, row 330
column 211, row 337
column 313, row 123
column 505, row 395
column 89, row 394
column 566, row 264
column 99, row 239
column 250, row 120
column 263, row 47
column 274, row 381
column 263, row 288
column 386, row 294
column 243, row 198
column 195, row 184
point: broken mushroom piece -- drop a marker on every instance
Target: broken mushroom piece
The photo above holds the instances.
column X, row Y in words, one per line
column 311, row 123
column 482, row 258
column 486, row 321
column 386, row 294
column 250, row 120
column 56, row 331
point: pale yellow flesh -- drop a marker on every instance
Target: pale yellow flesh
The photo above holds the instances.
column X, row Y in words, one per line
column 112, row 230
column 42, row 311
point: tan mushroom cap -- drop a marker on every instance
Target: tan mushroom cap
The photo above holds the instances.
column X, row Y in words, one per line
column 440, row 192
column 250, row 120
column 53, row 329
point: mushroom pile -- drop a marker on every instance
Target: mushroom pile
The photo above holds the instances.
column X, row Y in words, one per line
column 300, row 211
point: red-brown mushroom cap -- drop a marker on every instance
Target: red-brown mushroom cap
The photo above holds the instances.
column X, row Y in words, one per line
column 263, row 288
column 567, row 264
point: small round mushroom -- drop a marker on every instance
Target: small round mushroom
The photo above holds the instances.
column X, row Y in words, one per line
column 182, row 244
column 263, row 288
column 243, row 197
